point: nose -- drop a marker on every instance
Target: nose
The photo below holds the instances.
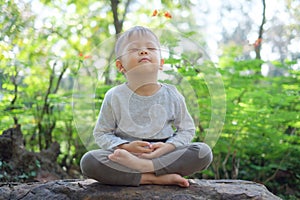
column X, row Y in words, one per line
column 143, row 51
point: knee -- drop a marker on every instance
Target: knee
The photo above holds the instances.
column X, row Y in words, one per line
column 204, row 153
column 87, row 163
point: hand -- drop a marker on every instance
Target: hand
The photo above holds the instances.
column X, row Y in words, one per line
column 137, row 147
column 158, row 149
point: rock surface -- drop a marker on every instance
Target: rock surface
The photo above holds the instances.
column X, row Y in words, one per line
column 91, row 190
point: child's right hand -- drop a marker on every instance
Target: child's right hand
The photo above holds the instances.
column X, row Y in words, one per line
column 137, row 147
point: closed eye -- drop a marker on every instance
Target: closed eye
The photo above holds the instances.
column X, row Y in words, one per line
column 133, row 49
column 137, row 49
column 152, row 48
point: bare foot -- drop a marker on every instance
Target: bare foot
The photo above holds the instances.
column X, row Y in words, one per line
column 167, row 179
column 129, row 160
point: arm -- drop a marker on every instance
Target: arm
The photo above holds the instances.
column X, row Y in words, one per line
column 184, row 124
column 104, row 131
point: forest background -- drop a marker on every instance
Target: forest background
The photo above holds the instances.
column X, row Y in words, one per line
column 236, row 62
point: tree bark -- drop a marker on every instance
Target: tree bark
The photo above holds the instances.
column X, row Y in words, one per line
column 18, row 164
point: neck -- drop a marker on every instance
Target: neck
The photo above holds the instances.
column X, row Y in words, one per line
column 144, row 84
column 146, row 89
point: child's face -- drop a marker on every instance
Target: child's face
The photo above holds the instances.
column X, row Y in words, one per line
column 140, row 52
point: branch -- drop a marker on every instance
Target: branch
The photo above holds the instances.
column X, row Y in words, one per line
column 65, row 67
column 125, row 12
column 224, row 164
column 235, row 166
column 216, row 166
column 260, row 33
column 14, row 81
column 118, row 23
column 48, row 91
column 276, row 171
column 261, row 28
column 239, row 98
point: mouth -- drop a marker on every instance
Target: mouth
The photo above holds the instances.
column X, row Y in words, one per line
column 144, row 60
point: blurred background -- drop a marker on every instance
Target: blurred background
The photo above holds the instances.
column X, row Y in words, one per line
column 56, row 63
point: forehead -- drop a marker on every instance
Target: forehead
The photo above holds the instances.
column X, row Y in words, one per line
column 140, row 42
column 140, row 36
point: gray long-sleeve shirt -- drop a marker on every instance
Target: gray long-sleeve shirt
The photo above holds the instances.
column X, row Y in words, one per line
column 125, row 116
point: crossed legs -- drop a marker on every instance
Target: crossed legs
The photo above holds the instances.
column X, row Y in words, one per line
column 120, row 167
column 146, row 168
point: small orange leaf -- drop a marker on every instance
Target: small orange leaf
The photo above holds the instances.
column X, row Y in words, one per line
column 167, row 15
column 81, row 56
column 155, row 12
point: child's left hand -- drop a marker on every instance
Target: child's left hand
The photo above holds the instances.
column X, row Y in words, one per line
column 158, row 149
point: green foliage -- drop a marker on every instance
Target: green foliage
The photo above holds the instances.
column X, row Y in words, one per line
column 261, row 133
column 260, row 138
column 42, row 59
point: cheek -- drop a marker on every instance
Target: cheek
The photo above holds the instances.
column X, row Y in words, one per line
column 158, row 58
column 130, row 62
column 132, row 57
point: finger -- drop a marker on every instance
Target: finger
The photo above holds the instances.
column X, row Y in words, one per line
column 147, row 155
column 159, row 143
column 156, row 145
column 143, row 143
column 145, row 150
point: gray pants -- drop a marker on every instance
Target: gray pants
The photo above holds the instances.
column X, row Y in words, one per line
column 184, row 161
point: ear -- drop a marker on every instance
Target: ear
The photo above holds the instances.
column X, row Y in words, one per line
column 162, row 61
column 120, row 66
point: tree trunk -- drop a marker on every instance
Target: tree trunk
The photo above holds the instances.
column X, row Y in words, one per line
column 257, row 44
column 18, row 164
column 118, row 24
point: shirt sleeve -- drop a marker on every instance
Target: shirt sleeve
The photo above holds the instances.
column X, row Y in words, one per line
column 184, row 124
column 104, row 131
